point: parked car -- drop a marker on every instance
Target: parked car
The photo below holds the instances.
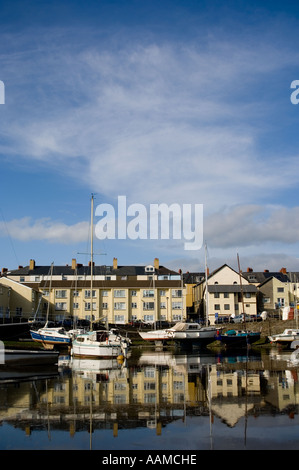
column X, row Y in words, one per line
column 240, row 318
column 221, row 320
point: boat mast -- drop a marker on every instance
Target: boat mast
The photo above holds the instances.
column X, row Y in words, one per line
column 242, row 297
column 207, row 290
column 91, row 260
column 50, row 288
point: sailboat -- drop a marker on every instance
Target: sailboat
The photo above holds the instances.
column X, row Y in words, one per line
column 49, row 336
column 242, row 338
column 192, row 334
column 99, row 343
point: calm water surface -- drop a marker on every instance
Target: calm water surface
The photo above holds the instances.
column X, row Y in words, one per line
column 155, row 400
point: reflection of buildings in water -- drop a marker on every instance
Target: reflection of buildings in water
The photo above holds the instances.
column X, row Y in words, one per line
column 148, row 393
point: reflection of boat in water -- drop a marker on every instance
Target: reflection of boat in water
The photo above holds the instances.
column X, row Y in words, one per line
column 25, row 357
column 20, row 365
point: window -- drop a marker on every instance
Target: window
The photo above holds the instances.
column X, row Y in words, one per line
column 162, row 293
column 119, row 305
column 216, row 295
column 133, row 293
column 176, row 292
column 88, row 306
column 280, row 289
column 247, row 295
column 105, row 293
column 60, row 294
column 176, row 305
column 104, row 305
column 148, row 305
column 60, row 306
column 148, row 293
column 76, row 293
column 120, row 293
column 162, row 304
column 88, row 292
column 226, row 295
column 226, row 307
column 119, row 318
column 134, row 305
column 22, row 279
column 216, row 307
column 75, row 305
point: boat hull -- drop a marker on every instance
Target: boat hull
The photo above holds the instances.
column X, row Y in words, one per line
column 101, row 344
column 285, row 338
column 155, row 335
column 44, row 338
column 238, row 339
column 96, row 350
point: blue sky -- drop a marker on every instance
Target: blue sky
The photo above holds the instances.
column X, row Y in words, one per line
column 184, row 102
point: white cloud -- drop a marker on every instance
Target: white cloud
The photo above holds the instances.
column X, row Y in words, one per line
column 155, row 122
column 45, row 229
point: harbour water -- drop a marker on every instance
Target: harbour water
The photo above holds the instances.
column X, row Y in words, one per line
column 155, row 400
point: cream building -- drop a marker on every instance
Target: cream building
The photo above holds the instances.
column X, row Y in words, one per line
column 117, row 294
column 224, row 297
column 16, row 299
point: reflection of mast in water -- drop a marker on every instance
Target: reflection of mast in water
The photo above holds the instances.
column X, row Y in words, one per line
column 209, row 397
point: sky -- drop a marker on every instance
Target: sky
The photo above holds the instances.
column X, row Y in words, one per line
column 184, row 103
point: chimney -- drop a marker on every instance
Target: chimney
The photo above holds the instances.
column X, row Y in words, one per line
column 156, row 263
column 32, row 264
column 266, row 270
column 283, row 270
column 74, row 263
column 249, row 270
column 4, row 270
column 114, row 263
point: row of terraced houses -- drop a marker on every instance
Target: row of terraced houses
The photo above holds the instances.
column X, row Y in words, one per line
column 125, row 294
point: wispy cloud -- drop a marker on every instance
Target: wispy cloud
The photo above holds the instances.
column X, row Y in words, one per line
column 26, row 229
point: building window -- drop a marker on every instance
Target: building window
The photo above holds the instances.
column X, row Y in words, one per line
column 119, row 305
column 247, row 295
column 104, row 305
column 148, row 293
column 162, row 293
column 60, row 306
column 148, row 305
column 119, row 318
column 60, row 294
column 120, row 293
column 176, row 305
column 176, row 292
column 280, row 289
column 216, row 307
column 75, row 305
column 134, row 304
column 162, row 304
column 216, row 295
column 88, row 292
column 105, row 293
column 88, row 306
column 226, row 295
column 226, row 307
column 133, row 293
